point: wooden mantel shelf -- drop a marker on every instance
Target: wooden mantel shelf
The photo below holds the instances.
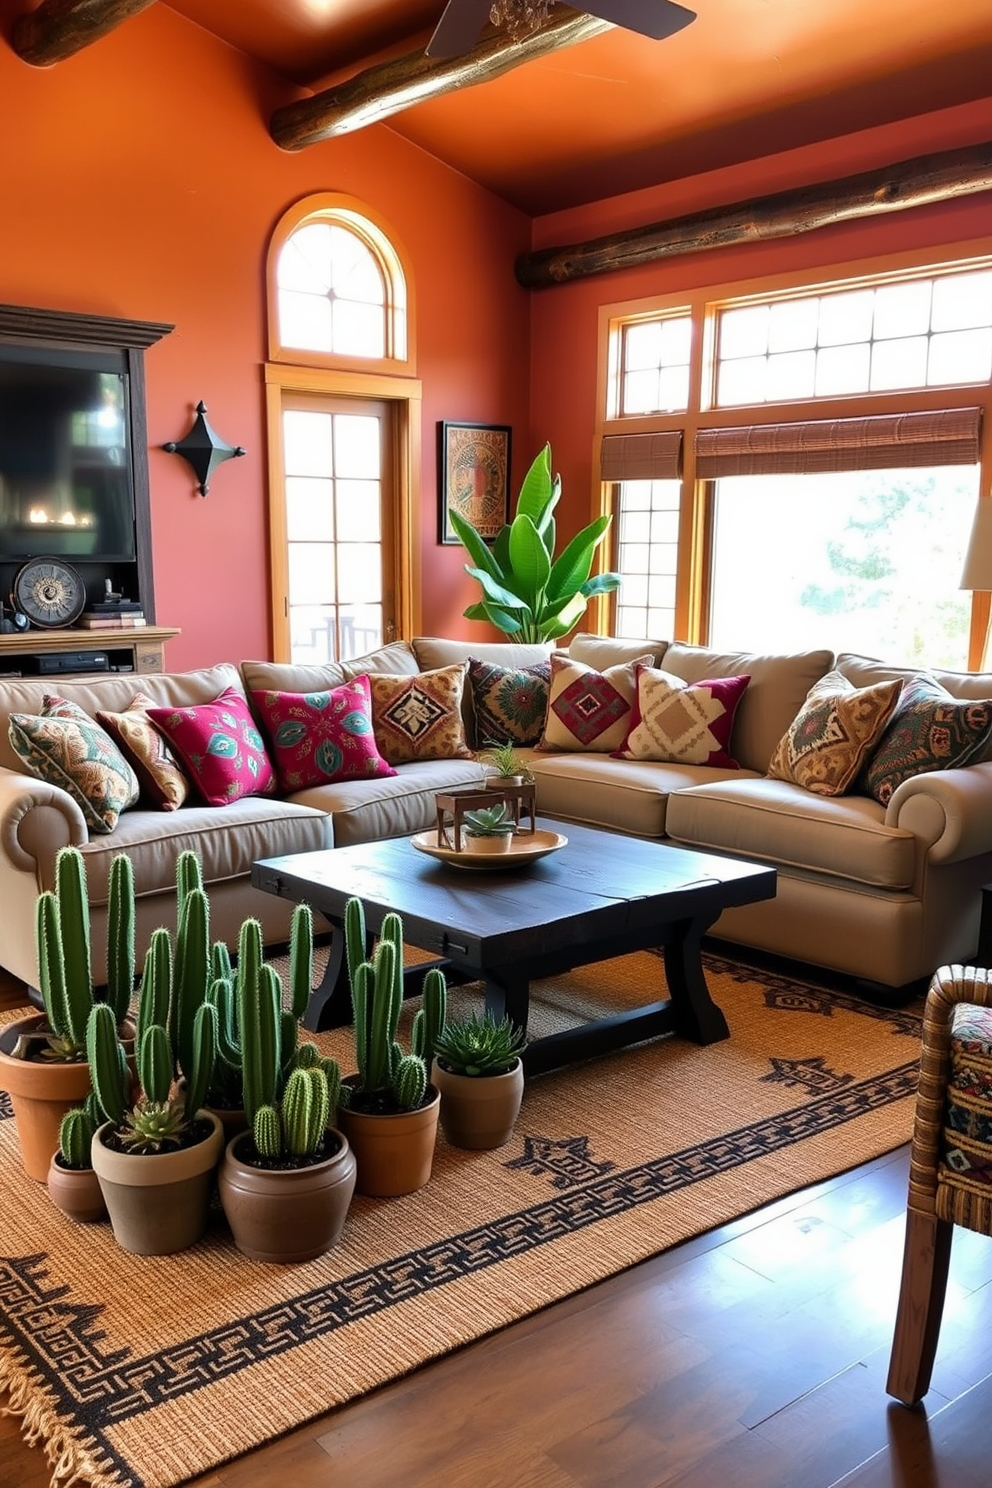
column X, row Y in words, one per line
column 141, row 649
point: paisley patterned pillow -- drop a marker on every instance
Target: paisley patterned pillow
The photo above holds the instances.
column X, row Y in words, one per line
column 220, row 746
column 65, row 747
column 318, row 737
column 833, row 734
column 160, row 778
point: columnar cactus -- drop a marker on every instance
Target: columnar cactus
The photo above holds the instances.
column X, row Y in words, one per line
column 377, row 998
column 120, row 936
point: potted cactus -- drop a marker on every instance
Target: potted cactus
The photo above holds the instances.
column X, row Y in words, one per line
column 72, row 1182
column 43, row 1057
column 389, row 1110
column 286, row 1183
column 479, row 1072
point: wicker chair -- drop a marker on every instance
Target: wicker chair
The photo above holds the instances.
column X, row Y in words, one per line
column 950, row 1175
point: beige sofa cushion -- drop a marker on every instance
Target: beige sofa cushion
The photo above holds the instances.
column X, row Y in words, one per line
column 602, row 791
column 864, row 670
column 773, row 821
column 432, row 652
column 600, row 652
column 396, row 659
column 367, row 810
column 112, row 693
column 776, row 692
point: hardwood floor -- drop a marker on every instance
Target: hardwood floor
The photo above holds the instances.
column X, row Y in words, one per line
column 751, row 1357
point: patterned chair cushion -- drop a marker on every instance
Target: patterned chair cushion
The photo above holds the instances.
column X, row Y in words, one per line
column 930, row 730
column 510, row 703
column 220, row 746
column 589, row 711
column 160, row 776
column 65, row 747
column 965, row 1166
column 319, row 737
column 420, row 717
column 680, row 722
column 833, row 734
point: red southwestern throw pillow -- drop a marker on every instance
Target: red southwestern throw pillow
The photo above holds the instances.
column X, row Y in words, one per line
column 686, row 723
column 317, row 737
column 220, row 747
column 588, row 710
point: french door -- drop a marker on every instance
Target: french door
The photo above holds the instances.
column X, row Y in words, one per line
column 336, row 564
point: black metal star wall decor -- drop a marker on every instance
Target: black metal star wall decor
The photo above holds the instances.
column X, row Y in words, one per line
column 204, row 449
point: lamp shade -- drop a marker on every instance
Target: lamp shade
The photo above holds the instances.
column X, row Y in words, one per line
column 977, row 572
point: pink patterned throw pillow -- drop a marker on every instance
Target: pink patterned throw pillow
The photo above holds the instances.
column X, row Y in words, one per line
column 318, row 737
column 220, row 746
column 686, row 723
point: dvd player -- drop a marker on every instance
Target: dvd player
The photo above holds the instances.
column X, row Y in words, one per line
column 72, row 661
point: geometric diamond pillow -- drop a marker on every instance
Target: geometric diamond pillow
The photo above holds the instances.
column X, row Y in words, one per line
column 220, row 746
column 69, row 749
column 681, row 722
column 159, row 775
column 930, row 730
column 589, row 711
column 420, row 717
column 317, row 737
column 509, row 702
column 833, row 734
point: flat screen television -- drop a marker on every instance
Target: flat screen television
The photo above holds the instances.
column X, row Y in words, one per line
column 65, row 470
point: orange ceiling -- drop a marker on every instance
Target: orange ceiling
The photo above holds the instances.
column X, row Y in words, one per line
column 746, row 78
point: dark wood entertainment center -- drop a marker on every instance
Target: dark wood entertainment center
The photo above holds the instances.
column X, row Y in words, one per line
column 120, row 345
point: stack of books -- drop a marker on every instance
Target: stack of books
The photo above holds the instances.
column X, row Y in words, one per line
column 124, row 614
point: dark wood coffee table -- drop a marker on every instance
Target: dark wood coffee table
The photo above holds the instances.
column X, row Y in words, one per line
column 602, row 895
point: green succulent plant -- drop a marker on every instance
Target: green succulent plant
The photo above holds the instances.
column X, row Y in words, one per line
column 528, row 593
column 489, row 821
column 480, row 1045
column 501, row 758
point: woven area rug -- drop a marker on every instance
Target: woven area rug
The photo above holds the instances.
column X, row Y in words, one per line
column 149, row 1371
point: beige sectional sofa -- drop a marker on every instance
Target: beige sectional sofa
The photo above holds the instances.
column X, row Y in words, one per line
column 883, row 893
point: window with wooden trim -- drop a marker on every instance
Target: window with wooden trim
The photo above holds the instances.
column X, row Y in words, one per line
column 843, row 524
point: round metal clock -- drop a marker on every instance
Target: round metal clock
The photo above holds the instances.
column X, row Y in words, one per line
column 49, row 592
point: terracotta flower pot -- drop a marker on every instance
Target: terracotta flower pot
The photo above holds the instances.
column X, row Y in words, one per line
column 41, row 1091
column 77, row 1192
column 158, row 1201
column 394, row 1153
column 479, row 1111
column 286, row 1215
column 498, row 844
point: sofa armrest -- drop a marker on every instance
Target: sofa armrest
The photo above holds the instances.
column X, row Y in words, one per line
column 949, row 810
column 35, row 821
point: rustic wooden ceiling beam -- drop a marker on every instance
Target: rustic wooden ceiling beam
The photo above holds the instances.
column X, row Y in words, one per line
column 60, row 28
column 909, row 183
column 385, row 89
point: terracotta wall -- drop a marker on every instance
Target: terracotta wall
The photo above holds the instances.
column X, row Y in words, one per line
column 137, row 179
column 564, row 319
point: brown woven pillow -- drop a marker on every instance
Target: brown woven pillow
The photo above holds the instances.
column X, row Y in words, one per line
column 420, row 717
column 159, row 775
column 833, row 734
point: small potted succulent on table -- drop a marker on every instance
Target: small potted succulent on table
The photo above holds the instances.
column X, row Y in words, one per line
column 488, row 829
column 389, row 1110
column 479, row 1072
column 503, row 765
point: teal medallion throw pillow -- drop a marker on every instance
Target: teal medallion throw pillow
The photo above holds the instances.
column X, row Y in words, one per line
column 220, row 747
column 320, row 737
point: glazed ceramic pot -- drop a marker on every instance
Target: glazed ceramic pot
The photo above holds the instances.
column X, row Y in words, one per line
column 41, row 1092
column 394, row 1153
column 158, row 1201
column 286, row 1214
column 77, row 1192
column 479, row 1111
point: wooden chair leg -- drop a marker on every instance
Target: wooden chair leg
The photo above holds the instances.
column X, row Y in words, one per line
column 925, row 1262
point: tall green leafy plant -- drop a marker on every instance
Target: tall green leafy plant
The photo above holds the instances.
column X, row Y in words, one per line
column 528, row 593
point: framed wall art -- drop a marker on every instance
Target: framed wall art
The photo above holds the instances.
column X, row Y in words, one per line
column 473, row 478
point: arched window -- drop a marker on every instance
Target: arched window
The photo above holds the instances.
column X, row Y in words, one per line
column 338, row 291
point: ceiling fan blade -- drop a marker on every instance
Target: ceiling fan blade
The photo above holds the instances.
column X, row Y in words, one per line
column 654, row 18
column 459, row 28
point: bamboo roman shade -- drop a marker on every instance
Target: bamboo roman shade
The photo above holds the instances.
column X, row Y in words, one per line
column 628, row 457
column 948, row 436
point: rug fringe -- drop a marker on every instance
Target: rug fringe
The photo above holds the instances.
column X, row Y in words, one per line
column 73, row 1462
